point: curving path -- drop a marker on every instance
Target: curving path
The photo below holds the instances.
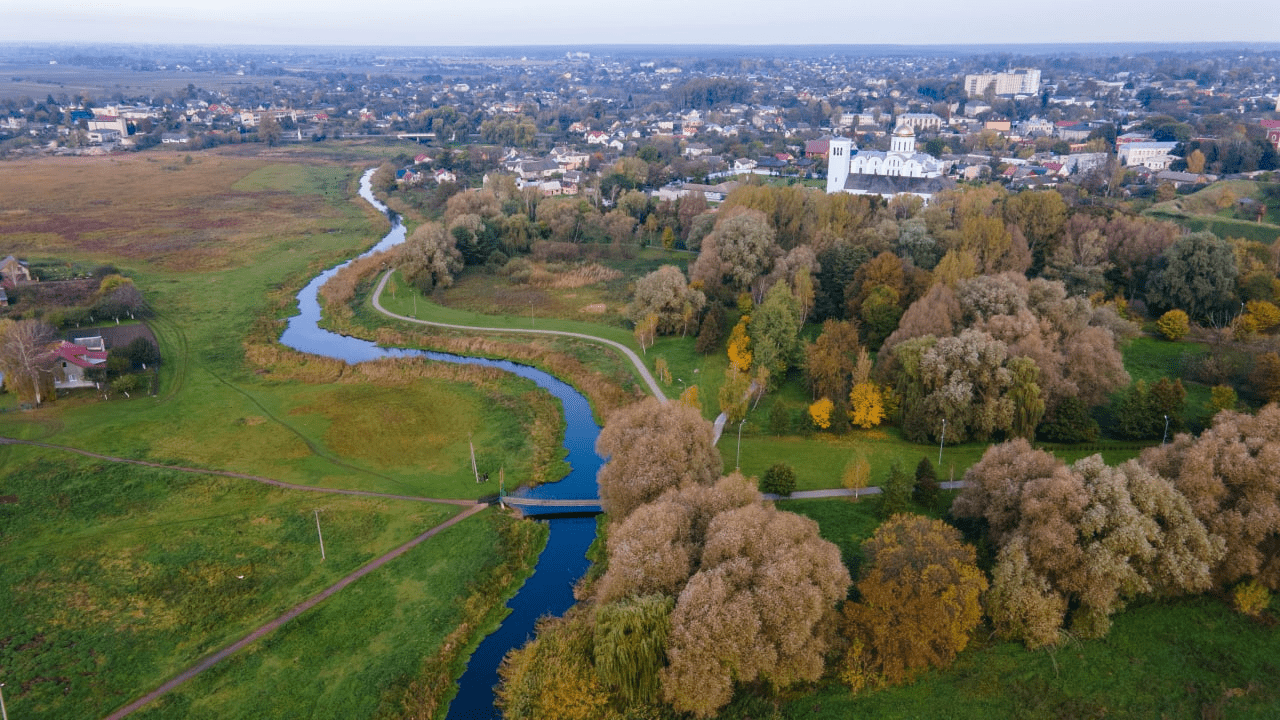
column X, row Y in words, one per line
column 626, row 351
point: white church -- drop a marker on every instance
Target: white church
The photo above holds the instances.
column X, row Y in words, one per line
column 899, row 171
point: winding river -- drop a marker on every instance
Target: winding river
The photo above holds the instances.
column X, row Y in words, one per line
column 550, row 589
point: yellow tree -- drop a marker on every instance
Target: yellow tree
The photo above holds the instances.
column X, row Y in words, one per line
column 1174, row 324
column 820, row 413
column 740, row 346
column 920, row 597
column 866, row 405
column 645, row 331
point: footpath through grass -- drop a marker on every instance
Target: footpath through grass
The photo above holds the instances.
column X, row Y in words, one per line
column 116, row 577
column 354, row 655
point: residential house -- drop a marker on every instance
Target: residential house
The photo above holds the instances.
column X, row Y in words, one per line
column 71, row 363
column 14, row 271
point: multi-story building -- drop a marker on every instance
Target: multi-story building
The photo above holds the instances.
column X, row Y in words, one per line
column 1017, row 82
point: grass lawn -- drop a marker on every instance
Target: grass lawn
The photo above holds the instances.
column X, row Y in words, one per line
column 1184, row 659
column 1149, row 359
column 116, row 577
column 820, row 460
column 352, row 655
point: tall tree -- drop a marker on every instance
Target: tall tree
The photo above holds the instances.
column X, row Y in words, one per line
column 760, row 607
column 1199, row 276
column 25, row 358
column 653, row 446
column 1229, row 476
column 665, row 293
column 919, row 596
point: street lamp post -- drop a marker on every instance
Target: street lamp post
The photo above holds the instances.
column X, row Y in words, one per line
column 942, row 440
column 1165, row 439
column 4, row 715
column 738, row 462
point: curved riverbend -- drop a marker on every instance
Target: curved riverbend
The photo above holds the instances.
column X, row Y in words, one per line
column 550, row 589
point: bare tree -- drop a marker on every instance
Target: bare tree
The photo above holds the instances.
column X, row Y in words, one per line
column 25, row 358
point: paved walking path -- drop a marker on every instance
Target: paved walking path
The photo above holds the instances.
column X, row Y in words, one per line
column 292, row 613
column 243, row 476
column 626, row 351
column 846, row 492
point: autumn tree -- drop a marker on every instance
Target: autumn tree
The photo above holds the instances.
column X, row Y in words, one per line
column 1229, row 476
column 25, row 359
column 760, row 608
column 1265, row 377
column 830, row 359
column 552, row 677
column 646, row 330
column 919, row 596
column 656, row 548
column 739, row 349
column 1088, row 537
column 653, row 446
column 665, row 293
column 866, row 405
column 1174, row 325
column 429, row 258
column 740, row 249
column 820, row 413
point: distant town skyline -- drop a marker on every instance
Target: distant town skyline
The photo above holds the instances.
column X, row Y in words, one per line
column 570, row 22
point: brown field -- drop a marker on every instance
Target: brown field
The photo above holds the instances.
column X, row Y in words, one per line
column 175, row 215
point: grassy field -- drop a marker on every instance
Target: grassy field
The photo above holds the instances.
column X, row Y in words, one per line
column 1184, row 659
column 116, row 577
column 354, row 655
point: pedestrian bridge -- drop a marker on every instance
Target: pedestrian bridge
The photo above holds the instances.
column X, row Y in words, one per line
column 549, row 502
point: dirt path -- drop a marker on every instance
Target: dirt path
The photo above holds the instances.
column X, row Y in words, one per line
column 626, row 351
column 243, row 476
column 292, row 613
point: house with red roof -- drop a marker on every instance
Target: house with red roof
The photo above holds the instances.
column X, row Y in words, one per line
column 71, row 362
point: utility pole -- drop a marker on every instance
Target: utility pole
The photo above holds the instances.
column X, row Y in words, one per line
column 738, row 462
column 318, row 533
column 474, row 469
column 942, row 440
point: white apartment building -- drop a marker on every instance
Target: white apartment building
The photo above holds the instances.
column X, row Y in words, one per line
column 1015, row 82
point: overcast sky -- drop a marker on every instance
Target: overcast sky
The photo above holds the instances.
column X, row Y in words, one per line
column 570, row 22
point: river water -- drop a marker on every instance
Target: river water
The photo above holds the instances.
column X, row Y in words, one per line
column 549, row 591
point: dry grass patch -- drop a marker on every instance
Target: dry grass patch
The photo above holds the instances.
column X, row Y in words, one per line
column 190, row 219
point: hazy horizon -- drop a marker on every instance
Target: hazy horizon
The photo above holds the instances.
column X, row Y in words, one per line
column 661, row 22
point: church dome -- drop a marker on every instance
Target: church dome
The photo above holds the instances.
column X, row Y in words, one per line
column 904, row 131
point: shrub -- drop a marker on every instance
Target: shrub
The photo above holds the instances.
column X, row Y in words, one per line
column 1174, row 325
column 780, row 479
column 1251, row 598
